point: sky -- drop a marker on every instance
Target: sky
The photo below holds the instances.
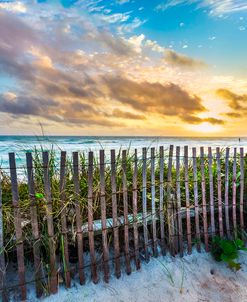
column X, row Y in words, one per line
column 123, row 67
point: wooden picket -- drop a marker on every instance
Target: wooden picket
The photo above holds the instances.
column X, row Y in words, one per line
column 219, row 192
column 144, row 202
column 178, row 193
column 153, row 212
column 227, row 193
column 211, row 190
column 161, row 202
column 234, row 192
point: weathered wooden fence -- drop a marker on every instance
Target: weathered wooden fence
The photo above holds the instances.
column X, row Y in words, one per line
column 126, row 205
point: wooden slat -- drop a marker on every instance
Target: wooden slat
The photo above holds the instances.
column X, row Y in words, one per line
column 79, row 234
column 178, row 195
column 234, row 192
column 48, row 197
column 90, row 218
column 135, row 211
column 35, row 226
column 170, row 213
column 103, row 216
column 161, row 204
column 211, row 190
column 144, row 202
column 204, row 202
column 64, row 234
column 3, row 290
column 126, row 220
column 18, row 228
column 227, row 193
column 219, row 192
column 242, row 191
column 187, row 198
column 154, row 231
column 115, row 215
column 198, row 236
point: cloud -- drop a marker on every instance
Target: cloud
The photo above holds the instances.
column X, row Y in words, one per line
column 127, row 115
column 179, row 60
column 197, row 120
column 235, row 101
column 215, row 7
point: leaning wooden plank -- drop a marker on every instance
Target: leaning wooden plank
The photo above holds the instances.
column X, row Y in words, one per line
column 90, row 218
column 187, row 198
column 79, row 234
column 144, row 201
column 126, row 221
column 35, row 226
column 47, row 189
column 170, row 213
column 103, row 216
column 115, row 215
column 154, row 231
column 3, row 290
column 227, row 193
column 135, row 210
column 161, row 203
column 211, row 190
column 178, row 195
column 242, row 191
column 219, row 192
column 204, row 203
column 198, row 236
column 18, row 228
column 234, row 189
column 64, row 235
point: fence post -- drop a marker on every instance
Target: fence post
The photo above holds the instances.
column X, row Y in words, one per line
column 211, row 190
column 178, row 195
column 134, row 202
column 79, row 233
column 154, row 232
column 17, row 224
column 90, row 218
column 227, row 193
column 2, row 258
column 198, row 237
column 103, row 216
column 47, row 187
column 64, row 234
column 35, row 227
column 161, row 205
column 242, row 192
column 204, row 203
column 219, row 191
column 144, row 202
column 234, row 190
column 115, row 215
column 187, row 197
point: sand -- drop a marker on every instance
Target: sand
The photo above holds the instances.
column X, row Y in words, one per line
column 195, row 277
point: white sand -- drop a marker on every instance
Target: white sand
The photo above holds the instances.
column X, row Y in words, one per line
column 167, row 279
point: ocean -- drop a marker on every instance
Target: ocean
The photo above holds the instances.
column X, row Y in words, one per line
column 22, row 144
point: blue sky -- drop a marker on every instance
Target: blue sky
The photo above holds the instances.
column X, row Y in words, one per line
column 85, row 66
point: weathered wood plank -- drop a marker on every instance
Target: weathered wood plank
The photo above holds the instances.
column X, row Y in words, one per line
column 35, row 226
column 227, row 193
column 3, row 290
column 144, row 202
column 115, row 215
column 126, row 221
column 18, row 228
column 197, row 222
column 135, row 211
column 161, row 202
column 64, row 235
column 234, row 192
column 187, row 197
column 211, row 190
column 178, row 195
column 204, row 203
column 219, row 192
column 103, row 216
column 242, row 192
column 154, row 230
column 79, row 233
column 90, row 218
column 170, row 213
column 47, row 188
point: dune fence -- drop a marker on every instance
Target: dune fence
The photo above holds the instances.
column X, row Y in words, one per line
column 89, row 215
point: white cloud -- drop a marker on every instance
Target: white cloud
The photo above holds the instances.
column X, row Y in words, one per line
column 14, row 7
